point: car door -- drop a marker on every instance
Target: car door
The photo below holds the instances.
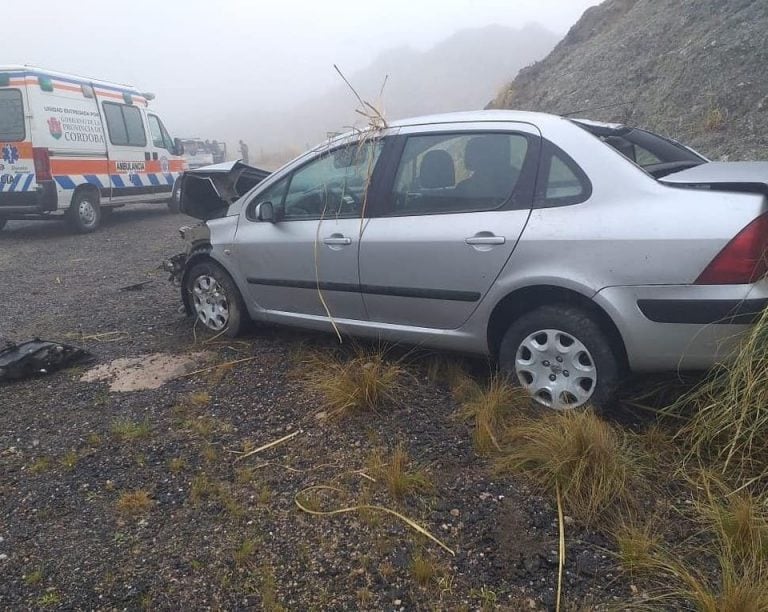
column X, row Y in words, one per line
column 459, row 201
column 304, row 264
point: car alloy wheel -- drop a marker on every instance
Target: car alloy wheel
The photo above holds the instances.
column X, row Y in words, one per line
column 210, row 302
column 556, row 369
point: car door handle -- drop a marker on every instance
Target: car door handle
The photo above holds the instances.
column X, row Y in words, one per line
column 337, row 239
column 475, row 240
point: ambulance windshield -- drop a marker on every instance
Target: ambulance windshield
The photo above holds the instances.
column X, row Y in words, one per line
column 11, row 116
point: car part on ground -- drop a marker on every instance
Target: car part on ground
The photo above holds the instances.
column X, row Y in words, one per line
column 500, row 233
column 37, row 357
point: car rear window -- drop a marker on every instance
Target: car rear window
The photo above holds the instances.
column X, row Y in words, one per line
column 561, row 182
column 11, row 116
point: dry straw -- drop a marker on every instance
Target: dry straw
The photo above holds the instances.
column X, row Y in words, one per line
column 728, row 424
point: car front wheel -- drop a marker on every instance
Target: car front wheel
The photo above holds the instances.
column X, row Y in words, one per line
column 215, row 299
column 562, row 357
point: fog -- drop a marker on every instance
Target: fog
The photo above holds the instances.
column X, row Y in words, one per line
column 235, row 68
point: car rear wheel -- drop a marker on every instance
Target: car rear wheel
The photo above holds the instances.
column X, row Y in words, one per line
column 84, row 214
column 562, row 357
column 214, row 299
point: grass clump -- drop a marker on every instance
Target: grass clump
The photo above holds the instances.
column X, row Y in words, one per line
column 205, row 489
column 177, row 465
column 489, row 408
column 728, row 422
column 366, row 380
column 244, row 552
column 34, row 578
column 398, row 475
column 736, row 528
column 69, row 460
column 40, row 465
column 127, row 430
column 423, row 569
column 134, row 503
column 637, row 543
column 589, row 461
column 268, row 591
column 49, row 599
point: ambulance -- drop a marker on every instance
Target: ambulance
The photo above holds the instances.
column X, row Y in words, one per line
column 75, row 148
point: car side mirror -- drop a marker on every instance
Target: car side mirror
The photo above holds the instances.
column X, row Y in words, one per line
column 178, row 146
column 265, row 212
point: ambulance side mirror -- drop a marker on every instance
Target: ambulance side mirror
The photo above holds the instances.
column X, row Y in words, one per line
column 178, row 147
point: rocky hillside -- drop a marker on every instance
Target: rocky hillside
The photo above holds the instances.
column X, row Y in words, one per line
column 692, row 69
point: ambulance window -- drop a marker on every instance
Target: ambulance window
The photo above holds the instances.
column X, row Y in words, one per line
column 125, row 125
column 136, row 135
column 11, row 116
column 160, row 137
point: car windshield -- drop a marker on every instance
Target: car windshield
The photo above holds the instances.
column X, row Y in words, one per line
column 657, row 155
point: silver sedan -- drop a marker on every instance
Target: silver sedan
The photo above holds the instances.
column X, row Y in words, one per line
column 571, row 251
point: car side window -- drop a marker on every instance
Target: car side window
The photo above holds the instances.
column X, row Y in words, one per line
column 452, row 173
column 561, row 181
column 332, row 185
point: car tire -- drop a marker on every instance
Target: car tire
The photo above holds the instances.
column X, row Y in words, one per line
column 174, row 204
column 562, row 357
column 84, row 214
column 3, row 223
column 214, row 299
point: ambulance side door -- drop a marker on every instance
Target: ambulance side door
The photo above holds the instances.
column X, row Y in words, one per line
column 129, row 151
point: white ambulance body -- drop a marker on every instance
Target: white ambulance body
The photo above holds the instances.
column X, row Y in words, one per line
column 73, row 147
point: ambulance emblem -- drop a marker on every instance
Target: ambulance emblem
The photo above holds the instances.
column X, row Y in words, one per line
column 10, row 154
column 54, row 127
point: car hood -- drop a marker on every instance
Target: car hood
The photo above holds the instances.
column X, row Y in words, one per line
column 207, row 192
column 751, row 177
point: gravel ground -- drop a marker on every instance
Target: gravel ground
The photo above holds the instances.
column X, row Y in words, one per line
column 220, row 533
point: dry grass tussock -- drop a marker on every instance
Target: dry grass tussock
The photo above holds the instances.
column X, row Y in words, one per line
column 737, row 526
column 366, row 380
column 133, row 503
column 592, row 463
column 398, row 473
column 489, row 408
column 728, row 423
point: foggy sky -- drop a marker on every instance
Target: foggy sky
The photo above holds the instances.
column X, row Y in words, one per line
column 204, row 58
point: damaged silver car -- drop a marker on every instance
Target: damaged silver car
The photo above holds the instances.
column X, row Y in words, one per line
column 572, row 251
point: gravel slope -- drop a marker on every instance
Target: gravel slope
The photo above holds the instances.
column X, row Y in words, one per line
column 222, row 534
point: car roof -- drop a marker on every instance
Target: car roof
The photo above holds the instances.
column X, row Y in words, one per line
column 481, row 115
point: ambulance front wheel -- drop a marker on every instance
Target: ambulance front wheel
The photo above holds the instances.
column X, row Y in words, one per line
column 84, row 214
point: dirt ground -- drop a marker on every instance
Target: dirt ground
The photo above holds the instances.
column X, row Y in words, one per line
column 115, row 500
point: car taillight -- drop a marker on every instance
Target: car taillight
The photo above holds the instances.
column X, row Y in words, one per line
column 42, row 164
column 744, row 259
